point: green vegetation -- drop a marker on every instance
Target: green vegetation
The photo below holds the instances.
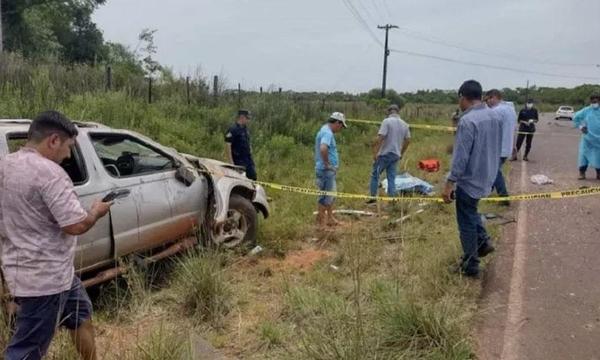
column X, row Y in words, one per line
column 388, row 294
column 202, row 288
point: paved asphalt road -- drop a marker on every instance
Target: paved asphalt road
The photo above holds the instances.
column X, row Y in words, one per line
column 541, row 295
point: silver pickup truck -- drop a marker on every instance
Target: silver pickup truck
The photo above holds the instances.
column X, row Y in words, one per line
column 173, row 197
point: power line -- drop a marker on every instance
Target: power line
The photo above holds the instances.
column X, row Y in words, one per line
column 434, row 40
column 496, row 67
column 361, row 21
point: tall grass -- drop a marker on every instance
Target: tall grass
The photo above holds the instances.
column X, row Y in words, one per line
column 163, row 343
column 202, row 287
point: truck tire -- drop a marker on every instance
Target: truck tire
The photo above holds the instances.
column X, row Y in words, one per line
column 241, row 225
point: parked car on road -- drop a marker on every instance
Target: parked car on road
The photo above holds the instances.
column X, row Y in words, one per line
column 172, row 198
column 564, row 112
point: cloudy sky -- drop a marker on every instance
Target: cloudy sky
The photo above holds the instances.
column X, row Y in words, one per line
column 330, row 45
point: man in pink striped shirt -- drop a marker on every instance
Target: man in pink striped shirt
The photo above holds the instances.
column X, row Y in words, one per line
column 40, row 218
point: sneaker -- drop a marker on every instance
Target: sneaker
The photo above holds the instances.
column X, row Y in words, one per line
column 581, row 176
column 371, row 201
column 485, row 250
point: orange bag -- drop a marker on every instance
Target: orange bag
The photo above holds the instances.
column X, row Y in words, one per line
column 429, row 165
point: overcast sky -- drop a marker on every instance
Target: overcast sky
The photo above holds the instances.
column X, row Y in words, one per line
column 320, row 45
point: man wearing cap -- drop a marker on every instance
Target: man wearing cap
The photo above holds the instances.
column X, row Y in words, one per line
column 588, row 121
column 528, row 117
column 237, row 144
column 475, row 163
column 326, row 166
column 507, row 113
column 391, row 144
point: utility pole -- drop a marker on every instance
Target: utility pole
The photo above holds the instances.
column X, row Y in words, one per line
column 386, row 53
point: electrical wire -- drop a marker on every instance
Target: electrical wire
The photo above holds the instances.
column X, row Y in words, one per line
column 489, row 66
column 420, row 36
column 350, row 6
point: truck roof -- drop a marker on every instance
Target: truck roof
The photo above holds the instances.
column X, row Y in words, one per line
column 23, row 124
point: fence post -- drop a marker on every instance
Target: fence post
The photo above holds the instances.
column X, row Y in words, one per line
column 187, row 90
column 149, row 90
column 216, row 88
column 108, row 78
column 239, row 96
column 261, row 90
column 280, row 90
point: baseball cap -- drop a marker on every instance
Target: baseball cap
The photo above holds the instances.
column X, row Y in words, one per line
column 246, row 113
column 339, row 117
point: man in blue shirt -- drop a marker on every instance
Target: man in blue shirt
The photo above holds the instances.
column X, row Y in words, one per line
column 327, row 164
column 508, row 115
column 475, row 163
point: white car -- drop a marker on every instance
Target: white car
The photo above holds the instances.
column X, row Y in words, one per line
column 564, row 112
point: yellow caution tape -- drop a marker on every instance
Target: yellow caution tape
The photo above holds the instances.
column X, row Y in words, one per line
column 415, row 126
column 447, row 128
column 316, row 192
column 523, row 197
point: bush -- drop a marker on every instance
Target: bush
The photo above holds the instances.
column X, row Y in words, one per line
column 163, row 344
column 418, row 328
column 202, row 287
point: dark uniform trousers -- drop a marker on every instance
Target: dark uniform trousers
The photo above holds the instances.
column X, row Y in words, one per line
column 239, row 138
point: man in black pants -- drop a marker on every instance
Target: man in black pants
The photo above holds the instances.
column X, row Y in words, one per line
column 528, row 117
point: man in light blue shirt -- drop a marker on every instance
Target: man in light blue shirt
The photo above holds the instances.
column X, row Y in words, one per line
column 475, row 163
column 508, row 115
column 326, row 166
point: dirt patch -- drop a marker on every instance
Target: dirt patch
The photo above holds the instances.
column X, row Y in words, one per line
column 304, row 259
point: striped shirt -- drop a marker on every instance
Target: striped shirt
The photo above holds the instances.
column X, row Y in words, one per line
column 37, row 200
column 477, row 149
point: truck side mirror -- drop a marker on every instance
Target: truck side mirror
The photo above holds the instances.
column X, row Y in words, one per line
column 185, row 175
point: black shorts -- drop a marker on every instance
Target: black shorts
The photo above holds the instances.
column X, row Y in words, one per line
column 37, row 319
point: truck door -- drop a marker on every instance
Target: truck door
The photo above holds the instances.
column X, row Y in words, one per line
column 132, row 163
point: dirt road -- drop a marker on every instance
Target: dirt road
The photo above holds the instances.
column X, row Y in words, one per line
column 542, row 289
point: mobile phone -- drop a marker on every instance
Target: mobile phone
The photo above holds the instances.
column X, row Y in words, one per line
column 116, row 194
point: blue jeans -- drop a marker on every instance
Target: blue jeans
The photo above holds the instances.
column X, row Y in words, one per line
column 387, row 162
column 473, row 235
column 38, row 317
column 499, row 183
column 326, row 182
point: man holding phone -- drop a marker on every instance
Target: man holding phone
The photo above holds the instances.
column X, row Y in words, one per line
column 40, row 218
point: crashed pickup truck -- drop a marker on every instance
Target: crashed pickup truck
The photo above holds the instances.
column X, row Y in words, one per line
column 170, row 199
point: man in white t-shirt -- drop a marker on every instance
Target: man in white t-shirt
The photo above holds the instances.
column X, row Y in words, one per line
column 392, row 141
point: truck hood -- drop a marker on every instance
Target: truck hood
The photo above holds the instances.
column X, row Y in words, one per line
column 217, row 168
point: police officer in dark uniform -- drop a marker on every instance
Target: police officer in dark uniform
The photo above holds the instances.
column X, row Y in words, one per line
column 237, row 144
column 528, row 117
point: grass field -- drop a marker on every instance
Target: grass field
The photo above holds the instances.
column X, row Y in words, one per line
column 376, row 288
